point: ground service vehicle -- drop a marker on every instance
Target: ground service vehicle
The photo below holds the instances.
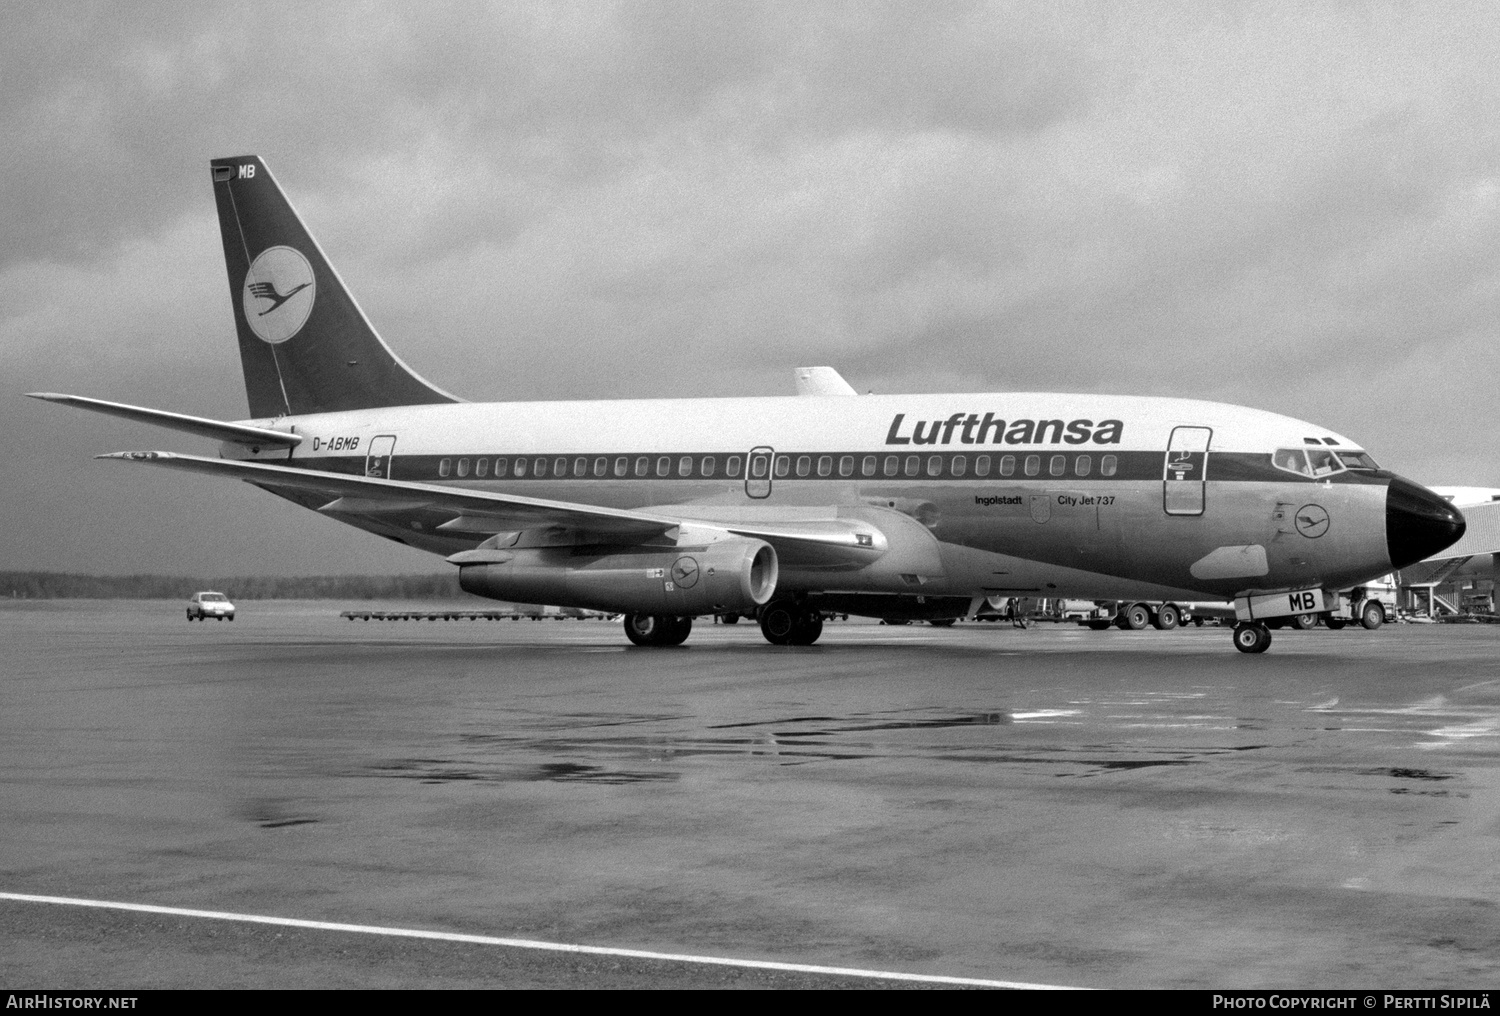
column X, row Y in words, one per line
column 207, row 604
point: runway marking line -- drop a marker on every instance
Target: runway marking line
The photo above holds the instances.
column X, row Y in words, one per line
column 524, row 943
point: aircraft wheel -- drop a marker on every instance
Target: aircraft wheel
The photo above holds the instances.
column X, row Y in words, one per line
column 778, row 620
column 657, row 629
column 729, row 619
column 1250, row 637
column 1306, row 622
column 1137, row 616
column 1372, row 614
column 1166, row 617
column 676, row 631
column 809, row 627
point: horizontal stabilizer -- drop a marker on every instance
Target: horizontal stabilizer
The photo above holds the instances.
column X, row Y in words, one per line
column 510, row 511
column 218, row 430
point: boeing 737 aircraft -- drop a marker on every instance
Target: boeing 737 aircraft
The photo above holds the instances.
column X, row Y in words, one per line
column 895, row 506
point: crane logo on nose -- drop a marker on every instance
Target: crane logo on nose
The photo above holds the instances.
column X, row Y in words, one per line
column 1312, row 521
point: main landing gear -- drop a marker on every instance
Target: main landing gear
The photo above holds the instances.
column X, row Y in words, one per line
column 657, row 629
column 1252, row 637
column 787, row 623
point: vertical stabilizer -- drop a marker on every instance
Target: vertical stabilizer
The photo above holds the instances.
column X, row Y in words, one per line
column 305, row 344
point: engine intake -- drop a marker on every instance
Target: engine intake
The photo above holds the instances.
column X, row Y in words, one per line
column 730, row 576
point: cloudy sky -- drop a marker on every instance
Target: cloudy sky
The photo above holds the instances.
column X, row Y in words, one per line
column 1290, row 206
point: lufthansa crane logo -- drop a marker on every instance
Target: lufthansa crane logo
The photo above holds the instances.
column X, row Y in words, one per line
column 278, row 295
column 1312, row 521
column 685, row 573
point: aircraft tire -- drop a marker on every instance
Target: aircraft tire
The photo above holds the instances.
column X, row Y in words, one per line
column 657, row 629
column 1251, row 637
column 1166, row 618
column 809, row 627
column 676, row 631
column 1137, row 616
column 1305, row 622
column 778, row 620
column 729, row 619
column 1372, row 614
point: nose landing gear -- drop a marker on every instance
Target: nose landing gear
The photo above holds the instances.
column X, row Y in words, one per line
column 1252, row 637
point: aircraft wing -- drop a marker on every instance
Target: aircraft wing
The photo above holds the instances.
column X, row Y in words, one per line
column 486, row 512
column 348, row 493
column 219, row 430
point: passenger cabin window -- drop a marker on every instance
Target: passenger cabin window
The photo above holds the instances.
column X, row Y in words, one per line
column 663, row 465
column 463, row 467
column 982, row 466
column 601, row 466
column 642, row 466
column 934, row 465
column 846, row 466
column 1084, row 465
column 732, row 467
column 758, row 467
column 867, row 466
column 539, row 469
column 706, row 466
column 580, row 466
column 1108, row 464
column 481, row 466
column 892, row 465
column 783, row 465
column 500, row 467
column 685, row 466
column 913, row 465
column 559, row 467
column 622, row 465
column 1058, row 465
column 445, row 467
column 1007, row 465
column 825, row 465
column 804, row 465
column 960, row 465
column 520, row 467
column 1033, row 465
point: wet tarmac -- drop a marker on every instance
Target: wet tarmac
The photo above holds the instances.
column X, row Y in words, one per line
column 1051, row 805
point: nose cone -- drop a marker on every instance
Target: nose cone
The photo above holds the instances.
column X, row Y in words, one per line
column 1418, row 523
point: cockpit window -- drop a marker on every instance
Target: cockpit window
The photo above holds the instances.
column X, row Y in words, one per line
column 1319, row 462
column 1324, row 462
column 1293, row 460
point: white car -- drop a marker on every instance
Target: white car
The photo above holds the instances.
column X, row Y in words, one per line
column 207, row 604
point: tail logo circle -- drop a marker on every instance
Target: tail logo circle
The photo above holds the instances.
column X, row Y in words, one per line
column 278, row 294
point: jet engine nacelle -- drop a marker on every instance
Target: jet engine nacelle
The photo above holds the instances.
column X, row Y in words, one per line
column 731, row 576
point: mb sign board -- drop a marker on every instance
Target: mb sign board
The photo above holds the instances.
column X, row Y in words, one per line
column 1303, row 601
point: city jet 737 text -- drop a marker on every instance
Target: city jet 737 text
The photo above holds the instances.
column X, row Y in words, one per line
column 785, row 509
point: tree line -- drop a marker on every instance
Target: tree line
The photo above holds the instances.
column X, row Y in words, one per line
column 68, row 586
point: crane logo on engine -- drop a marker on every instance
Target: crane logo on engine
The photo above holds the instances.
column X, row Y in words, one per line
column 685, row 573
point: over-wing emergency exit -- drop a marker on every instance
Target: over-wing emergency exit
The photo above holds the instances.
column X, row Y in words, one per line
column 894, row 506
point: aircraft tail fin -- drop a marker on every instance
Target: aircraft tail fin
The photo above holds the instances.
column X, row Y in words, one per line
column 305, row 345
